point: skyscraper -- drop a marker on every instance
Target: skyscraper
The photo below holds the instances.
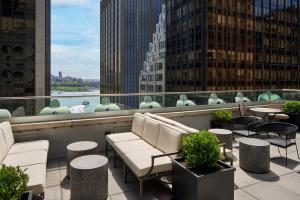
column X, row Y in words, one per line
column 24, row 47
column 127, row 27
column 152, row 76
column 227, row 45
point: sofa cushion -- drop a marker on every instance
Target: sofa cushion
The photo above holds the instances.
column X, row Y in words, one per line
column 170, row 139
column 8, row 134
column 172, row 122
column 121, row 137
column 132, row 146
column 29, row 146
column 3, row 148
column 37, row 177
column 138, row 124
column 140, row 162
column 228, row 153
column 26, row 158
column 151, row 131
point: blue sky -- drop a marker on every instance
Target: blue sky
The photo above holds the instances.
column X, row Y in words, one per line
column 75, row 38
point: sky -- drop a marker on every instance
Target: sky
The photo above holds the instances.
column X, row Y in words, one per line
column 75, row 38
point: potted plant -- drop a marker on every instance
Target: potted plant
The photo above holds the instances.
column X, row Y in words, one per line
column 221, row 119
column 292, row 108
column 13, row 184
column 199, row 175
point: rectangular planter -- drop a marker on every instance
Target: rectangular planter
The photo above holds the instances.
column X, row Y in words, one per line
column 294, row 119
column 218, row 185
column 215, row 124
column 27, row 195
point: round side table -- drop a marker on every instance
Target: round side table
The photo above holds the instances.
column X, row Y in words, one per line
column 78, row 149
column 254, row 155
column 89, row 178
column 225, row 136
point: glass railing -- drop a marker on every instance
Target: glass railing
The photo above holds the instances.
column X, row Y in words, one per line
column 25, row 109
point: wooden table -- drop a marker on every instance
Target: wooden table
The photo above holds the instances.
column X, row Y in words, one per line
column 265, row 112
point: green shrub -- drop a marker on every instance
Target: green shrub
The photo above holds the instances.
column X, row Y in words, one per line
column 201, row 150
column 222, row 116
column 292, row 107
column 13, row 182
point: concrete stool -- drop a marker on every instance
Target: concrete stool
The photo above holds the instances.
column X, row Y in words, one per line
column 78, row 149
column 225, row 136
column 254, row 155
column 89, row 178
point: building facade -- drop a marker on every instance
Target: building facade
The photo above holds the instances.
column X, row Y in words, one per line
column 127, row 27
column 232, row 44
column 24, row 48
column 152, row 77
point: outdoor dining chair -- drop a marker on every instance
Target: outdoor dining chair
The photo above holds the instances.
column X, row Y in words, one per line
column 245, row 125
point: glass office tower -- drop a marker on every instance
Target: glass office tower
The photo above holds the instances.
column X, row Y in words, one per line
column 24, row 48
column 232, row 44
column 127, row 27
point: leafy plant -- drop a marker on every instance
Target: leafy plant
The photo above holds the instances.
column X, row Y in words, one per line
column 201, row 150
column 292, row 107
column 222, row 116
column 13, row 182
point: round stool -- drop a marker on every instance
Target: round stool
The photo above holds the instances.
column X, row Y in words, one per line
column 89, row 178
column 78, row 149
column 254, row 155
column 225, row 136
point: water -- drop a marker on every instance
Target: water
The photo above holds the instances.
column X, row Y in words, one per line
column 76, row 101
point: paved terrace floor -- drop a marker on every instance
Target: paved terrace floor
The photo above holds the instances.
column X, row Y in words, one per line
column 281, row 183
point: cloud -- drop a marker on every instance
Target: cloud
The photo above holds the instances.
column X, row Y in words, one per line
column 69, row 2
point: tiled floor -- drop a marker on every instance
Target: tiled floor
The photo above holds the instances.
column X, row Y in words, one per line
column 282, row 183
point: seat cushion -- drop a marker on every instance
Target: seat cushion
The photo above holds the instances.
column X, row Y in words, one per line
column 279, row 116
column 121, row 137
column 244, row 133
column 29, row 146
column 3, row 148
column 281, row 142
column 151, row 131
column 172, row 122
column 228, row 154
column 138, row 124
column 26, row 158
column 170, row 139
column 132, row 146
column 140, row 162
column 37, row 177
column 8, row 134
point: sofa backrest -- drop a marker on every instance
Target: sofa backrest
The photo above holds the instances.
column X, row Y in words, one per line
column 170, row 138
column 151, row 131
column 8, row 134
column 3, row 148
column 173, row 123
column 138, row 124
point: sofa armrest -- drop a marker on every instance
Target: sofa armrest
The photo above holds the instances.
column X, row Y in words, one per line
column 159, row 156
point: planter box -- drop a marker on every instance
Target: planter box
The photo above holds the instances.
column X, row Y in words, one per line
column 217, row 185
column 27, row 195
column 215, row 124
column 294, row 119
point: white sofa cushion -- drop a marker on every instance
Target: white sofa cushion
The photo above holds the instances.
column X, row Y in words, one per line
column 228, row 153
column 172, row 122
column 138, row 124
column 170, row 139
column 151, row 131
column 140, row 162
column 37, row 177
column 26, row 158
column 121, row 137
column 3, row 148
column 29, row 146
column 132, row 146
column 8, row 134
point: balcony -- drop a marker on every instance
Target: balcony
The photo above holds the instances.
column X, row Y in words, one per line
column 62, row 129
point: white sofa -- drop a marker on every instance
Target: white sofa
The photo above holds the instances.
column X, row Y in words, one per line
column 30, row 156
column 148, row 148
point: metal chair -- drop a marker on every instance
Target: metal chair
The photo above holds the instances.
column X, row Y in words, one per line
column 245, row 125
column 285, row 135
